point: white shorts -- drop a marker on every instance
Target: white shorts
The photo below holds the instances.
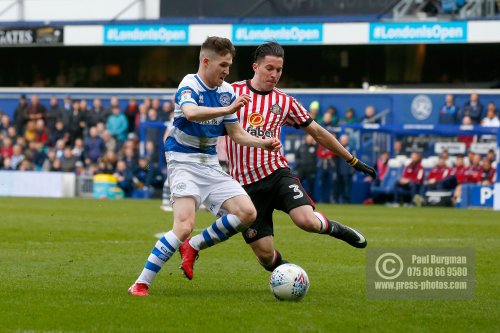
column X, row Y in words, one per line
column 207, row 184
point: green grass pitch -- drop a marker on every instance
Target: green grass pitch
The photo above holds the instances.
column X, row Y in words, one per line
column 66, row 265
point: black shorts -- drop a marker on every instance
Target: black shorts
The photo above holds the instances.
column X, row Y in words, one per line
column 280, row 191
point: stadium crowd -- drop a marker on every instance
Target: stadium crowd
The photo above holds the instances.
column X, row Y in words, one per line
column 74, row 136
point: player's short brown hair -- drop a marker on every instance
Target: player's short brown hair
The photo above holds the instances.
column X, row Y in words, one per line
column 218, row 45
column 268, row 49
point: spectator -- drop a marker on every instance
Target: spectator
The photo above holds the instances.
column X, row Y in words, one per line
column 156, row 105
column 26, row 165
column 4, row 124
column 38, row 155
column 59, row 148
column 344, row 175
column 79, row 168
column 490, row 155
column 148, row 175
column 488, row 173
column 491, row 119
column 114, row 102
column 131, row 111
column 473, row 109
column 19, row 112
column 109, row 162
column 327, row 123
column 7, row 164
column 68, row 160
column 94, row 146
column 349, row 117
column 30, row 132
column 98, row 113
column 167, row 110
column 109, row 141
column 125, row 178
column 58, row 133
column 382, row 165
column 130, row 157
column 49, row 161
column 467, row 139
column 370, row 116
column 67, row 105
column 151, row 152
column 153, row 132
column 78, row 149
column 449, row 112
column 41, row 133
column 334, row 116
column 325, row 171
column 437, row 179
column 305, row 159
column 314, row 110
column 413, row 176
column 397, row 148
column 7, row 148
column 56, row 166
column 117, row 126
column 17, row 156
column 35, row 110
column 76, row 122
column 54, row 113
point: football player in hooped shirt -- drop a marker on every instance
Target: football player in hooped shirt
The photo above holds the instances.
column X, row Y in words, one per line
column 265, row 175
column 204, row 110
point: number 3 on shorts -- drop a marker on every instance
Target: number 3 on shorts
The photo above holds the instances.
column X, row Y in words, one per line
column 296, row 189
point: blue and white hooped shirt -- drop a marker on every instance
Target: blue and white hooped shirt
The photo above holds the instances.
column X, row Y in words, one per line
column 195, row 141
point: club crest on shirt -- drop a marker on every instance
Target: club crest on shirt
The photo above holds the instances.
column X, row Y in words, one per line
column 201, row 100
column 225, row 99
column 251, row 233
column 276, row 109
column 255, row 119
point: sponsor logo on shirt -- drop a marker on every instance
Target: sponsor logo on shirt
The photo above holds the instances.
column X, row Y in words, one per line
column 255, row 119
column 185, row 95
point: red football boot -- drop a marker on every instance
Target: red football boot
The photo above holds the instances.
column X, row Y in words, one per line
column 188, row 256
column 139, row 289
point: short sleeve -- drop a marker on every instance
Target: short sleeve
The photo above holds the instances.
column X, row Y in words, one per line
column 298, row 115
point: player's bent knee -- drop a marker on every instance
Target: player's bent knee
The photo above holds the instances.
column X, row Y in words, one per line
column 247, row 215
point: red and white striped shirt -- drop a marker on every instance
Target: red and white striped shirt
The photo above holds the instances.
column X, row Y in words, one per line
column 263, row 117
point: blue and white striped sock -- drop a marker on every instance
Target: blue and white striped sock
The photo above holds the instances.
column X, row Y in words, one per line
column 163, row 250
column 223, row 228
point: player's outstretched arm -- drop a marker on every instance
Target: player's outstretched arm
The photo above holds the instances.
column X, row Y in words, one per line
column 327, row 140
column 194, row 112
column 240, row 136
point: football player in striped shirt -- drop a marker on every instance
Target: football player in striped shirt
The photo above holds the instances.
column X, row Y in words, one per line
column 265, row 175
column 204, row 110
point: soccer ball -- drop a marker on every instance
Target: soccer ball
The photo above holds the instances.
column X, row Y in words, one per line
column 289, row 282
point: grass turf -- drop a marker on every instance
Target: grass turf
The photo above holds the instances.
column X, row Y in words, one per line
column 66, row 265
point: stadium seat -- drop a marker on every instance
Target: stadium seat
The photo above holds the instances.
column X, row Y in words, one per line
column 393, row 174
column 428, row 163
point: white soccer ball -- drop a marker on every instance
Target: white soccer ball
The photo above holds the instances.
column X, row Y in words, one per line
column 289, row 282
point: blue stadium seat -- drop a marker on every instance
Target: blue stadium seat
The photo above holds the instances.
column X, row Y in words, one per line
column 390, row 179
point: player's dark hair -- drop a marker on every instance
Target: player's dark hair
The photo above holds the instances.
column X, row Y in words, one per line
column 268, row 49
column 218, row 45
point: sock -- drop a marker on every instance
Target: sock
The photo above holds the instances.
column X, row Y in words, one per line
column 163, row 250
column 327, row 227
column 223, row 228
column 277, row 261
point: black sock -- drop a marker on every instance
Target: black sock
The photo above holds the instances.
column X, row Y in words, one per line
column 278, row 260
